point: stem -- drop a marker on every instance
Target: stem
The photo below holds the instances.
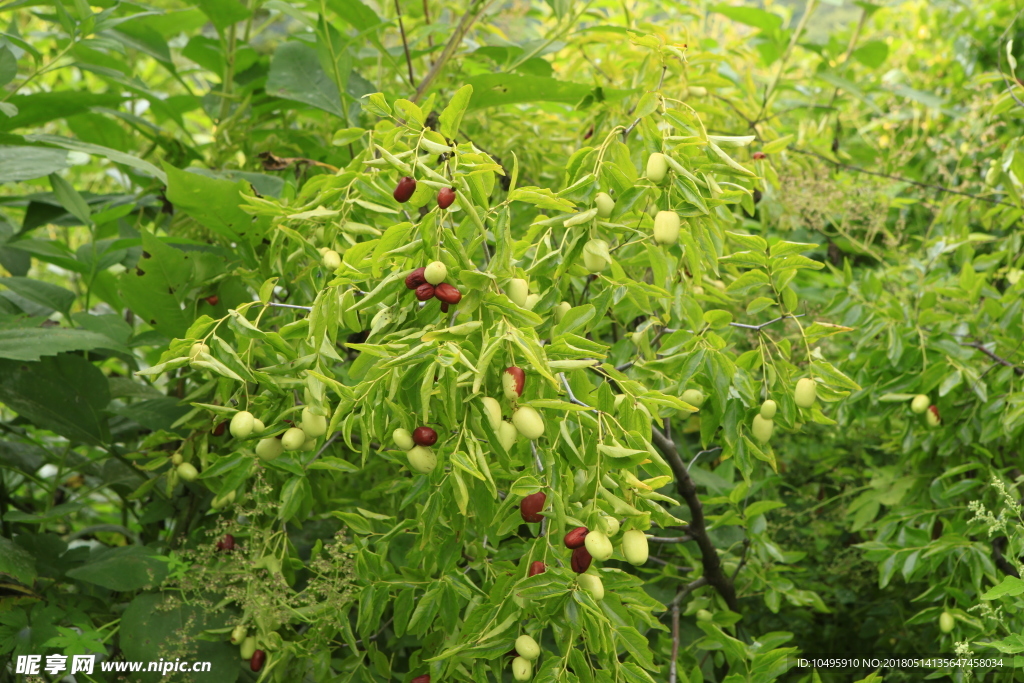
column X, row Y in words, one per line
column 471, row 15
column 808, row 9
column 405, row 44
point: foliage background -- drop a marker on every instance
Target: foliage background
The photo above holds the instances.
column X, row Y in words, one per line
column 146, row 134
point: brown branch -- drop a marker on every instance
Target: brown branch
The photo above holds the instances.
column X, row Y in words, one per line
column 713, row 572
column 670, row 539
column 471, row 15
column 901, row 179
column 999, row 359
column 405, row 44
column 663, row 563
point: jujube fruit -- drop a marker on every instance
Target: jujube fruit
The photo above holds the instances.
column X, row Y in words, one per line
column 507, row 435
column 805, row 393
column 605, row 204
column 768, row 409
column 269, row 449
column 580, row 560
column 258, row 426
column 238, row 634
column 527, row 647
column 592, row 584
column 598, row 545
column 227, row 543
column 421, row 459
column 308, row 445
column 425, row 292
column 666, row 227
column 657, row 167
column 762, row 429
column 528, row 422
column 435, row 272
column 258, row 657
column 492, row 409
column 595, row 256
column 932, row 416
column 695, row 397
column 220, row 429
column 293, row 439
column 513, row 380
column 313, row 425
column 403, row 191
column 634, row 546
column 946, row 622
column 247, row 648
column 445, row 197
column 920, row 404
column 424, row 436
column 403, row 439
column 759, row 155
column 188, row 472
column 197, row 349
column 517, row 290
column 576, row 538
column 536, row 567
column 532, row 301
column 415, row 278
column 704, row 615
column 331, row 260
column 530, row 507
column 176, row 459
column 522, row 669
column 611, row 525
column 447, row 293
column 242, row 424
column 213, row 300
column 421, row 679
column 226, row 499
column 560, row 310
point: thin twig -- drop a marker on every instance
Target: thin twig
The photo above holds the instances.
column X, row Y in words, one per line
column 743, row 559
column 763, row 325
column 999, row 56
column 675, row 643
column 670, row 539
column 405, row 45
column 471, row 15
column 658, row 560
column 999, row 359
column 713, row 449
column 274, row 304
column 572, row 397
column 661, row 82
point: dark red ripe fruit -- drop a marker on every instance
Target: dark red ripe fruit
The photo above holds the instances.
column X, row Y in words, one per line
column 258, row 657
column 425, row 678
column 531, row 506
column 537, row 568
column 212, row 300
column 447, row 293
column 760, row 155
column 425, row 292
column 576, row 538
column 444, row 307
column 518, row 379
column 445, row 197
column 424, row 436
column 226, row 543
column 935, row 411
column 581, row 560
column 415, row 278
column 406, row 186
column 219, row 429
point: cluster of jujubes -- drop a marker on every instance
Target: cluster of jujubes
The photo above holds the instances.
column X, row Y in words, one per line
column 429, row 283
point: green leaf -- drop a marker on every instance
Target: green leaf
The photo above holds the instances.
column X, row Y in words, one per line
column 212, row 202
column 17, row 562
column 224, row 13
column 158, row 287
column 1011, row 586
column 872, row 54
column 8, row 65
column 70, row 199
column 751, row 16
column 451, row 117
column 509, row 88
column 127, row 568
column 32, row 343
column 296, row 74
column 43, row 293
column 26, row 163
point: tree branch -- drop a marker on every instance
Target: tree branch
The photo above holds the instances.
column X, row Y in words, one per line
column 999, row 359
column 713, row 572
column 471, row 15
column 405, row 44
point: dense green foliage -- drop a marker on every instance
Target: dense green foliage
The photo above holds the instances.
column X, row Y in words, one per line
column 202, row 226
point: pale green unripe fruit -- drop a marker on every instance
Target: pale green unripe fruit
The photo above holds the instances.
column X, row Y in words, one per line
column 634, row 546
column 805, row 393
column 598, row 545
column 422, row 459
column 197, row 349
column 768, row 409
column 258, row 426
column 595, row 256
column 695, row 397
column 522, row 669
column 531, row 301
column 920, row 404
column 492, row 409
column 435, row 272
column 176, row 459
column 560, row 310
column 403, row 439
column 704, row 615
column 605, row 204
column 697, row 90
column 312, row 424
column 592, row 584
column 611, row 525
column 248, row 647
column 517, row 290
column 269, row 449
column 946, row 622
column 188, row 472
column 238, row 634
column 222, row 501
column 527, row 647
column 331, row 260
column 308, row 445
column 507, row 435
column 293, row 439
column 992, row 175
column 762, row 429
column 657, row 167
column 242, row 424
column 528, row 422
column 932, row 417
column 666, row 227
